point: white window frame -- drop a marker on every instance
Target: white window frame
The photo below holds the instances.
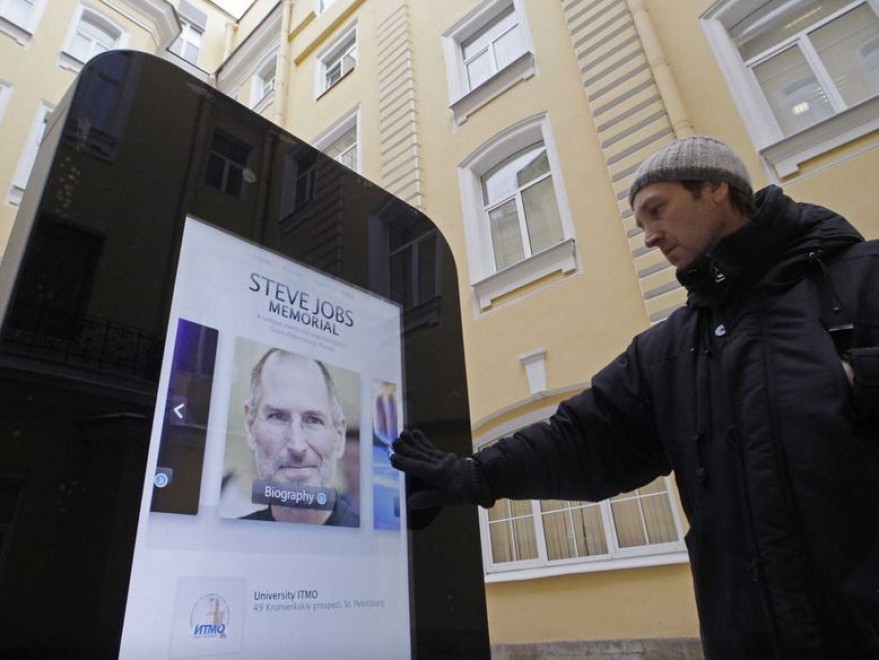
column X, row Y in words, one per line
column 66, row 59
column 487, row 282
column 338, row 129
column 334, row 54
column 785, row 155
column 658, row 554
column 5, row 94
column 260, row 97
column 191, row 34
column 22, row 32
column 28, row 157
column 463, row 100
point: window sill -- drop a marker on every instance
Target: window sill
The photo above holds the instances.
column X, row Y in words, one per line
column 495, row 575
column 20, row 34
column 16, row 192
column 69, row 62
column 561, row 257
column 518, row 70
column 787, row 155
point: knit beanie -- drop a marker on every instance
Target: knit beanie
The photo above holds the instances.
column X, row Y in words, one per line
column 693, row 159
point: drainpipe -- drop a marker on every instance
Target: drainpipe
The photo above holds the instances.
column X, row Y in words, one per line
column 662, row 74
column 282, row 72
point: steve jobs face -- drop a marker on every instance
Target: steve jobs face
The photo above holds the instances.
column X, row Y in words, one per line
column 293, row 421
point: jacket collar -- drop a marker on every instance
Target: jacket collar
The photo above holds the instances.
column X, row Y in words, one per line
column 773, row 246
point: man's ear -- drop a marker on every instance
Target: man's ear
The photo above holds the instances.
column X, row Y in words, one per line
column 249, row 416
column 341, row 429
column 719, row 192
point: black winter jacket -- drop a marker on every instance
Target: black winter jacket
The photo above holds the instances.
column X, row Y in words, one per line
column 742, row 393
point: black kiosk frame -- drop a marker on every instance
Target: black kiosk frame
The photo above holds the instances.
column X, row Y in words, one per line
column 137, row 155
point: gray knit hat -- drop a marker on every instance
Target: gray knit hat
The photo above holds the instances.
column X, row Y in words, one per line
column 696, row 159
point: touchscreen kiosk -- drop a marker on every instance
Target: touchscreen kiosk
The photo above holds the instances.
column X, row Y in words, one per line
column 211, row 334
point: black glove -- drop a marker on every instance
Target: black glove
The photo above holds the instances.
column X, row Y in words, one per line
column 445, row 478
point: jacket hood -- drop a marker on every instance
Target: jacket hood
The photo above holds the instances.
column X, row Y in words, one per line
column 773, row 249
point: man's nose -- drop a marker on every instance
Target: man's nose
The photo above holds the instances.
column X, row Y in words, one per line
column 295, row 436
column 651, row 237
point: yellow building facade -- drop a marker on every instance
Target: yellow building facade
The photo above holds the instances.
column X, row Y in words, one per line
column 517, row 125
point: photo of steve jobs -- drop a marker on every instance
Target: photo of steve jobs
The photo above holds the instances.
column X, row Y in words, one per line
column 295, row 435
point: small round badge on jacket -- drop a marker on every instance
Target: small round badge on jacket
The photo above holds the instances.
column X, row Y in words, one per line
column 720, row 330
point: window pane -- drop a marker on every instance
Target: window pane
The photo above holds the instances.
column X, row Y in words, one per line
column 559, row 536
column 427, row 280
column 500, row 510
column 401, row 278
column 506, row 237
column 479, row 69
column 542, row 215
column 574, row 531
column 590, row 531
column 627, row 521
column 849, row 48
column 501, row 542
column 793, row 92
column 659, row 519
column 505, row 178
column 526, row 540
column 773, row 22
column 508, row 47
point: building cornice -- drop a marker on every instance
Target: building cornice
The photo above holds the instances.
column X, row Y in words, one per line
column 244, row 59
column 160, row 18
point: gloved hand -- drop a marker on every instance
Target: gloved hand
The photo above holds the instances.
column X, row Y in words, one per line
column 445, row 478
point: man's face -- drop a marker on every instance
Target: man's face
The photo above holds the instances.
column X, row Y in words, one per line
column 682, row 226
column 291, row 430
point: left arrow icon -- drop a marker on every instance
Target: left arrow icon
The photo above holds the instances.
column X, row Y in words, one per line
column 177, row 410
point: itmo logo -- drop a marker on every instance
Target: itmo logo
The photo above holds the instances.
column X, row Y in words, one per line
column 209, row 617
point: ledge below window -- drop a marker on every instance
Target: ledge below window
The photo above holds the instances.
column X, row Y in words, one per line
column 560, row 257
column 519, row 69
column 21, row 35
column 789, row 154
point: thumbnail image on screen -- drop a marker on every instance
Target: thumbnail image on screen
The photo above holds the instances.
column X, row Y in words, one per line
column 292, row 440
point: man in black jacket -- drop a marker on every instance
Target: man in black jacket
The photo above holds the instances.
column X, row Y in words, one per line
column 762, row 394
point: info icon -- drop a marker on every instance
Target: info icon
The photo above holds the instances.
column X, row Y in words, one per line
column 164, row 476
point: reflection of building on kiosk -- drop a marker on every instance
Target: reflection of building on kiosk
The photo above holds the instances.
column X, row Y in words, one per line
column 295, row 425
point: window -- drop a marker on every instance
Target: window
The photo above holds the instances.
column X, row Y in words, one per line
column 491, row 49
column 515, row 212
column 188, row 43
column 338, row 61
column 487, row 52
column 227, row 165
column 92, row 34
column 340, row 143
column 322, row 6
column 536, row 534
column 520, row 206
column 414, row 269
column 531, row 538
column 263, row 84
column 193, row 22
column 19, row 18
column 29, row 154
column 800, row 63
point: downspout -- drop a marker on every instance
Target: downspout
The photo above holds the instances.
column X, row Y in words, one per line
column 282, row 72
column 662, row 74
